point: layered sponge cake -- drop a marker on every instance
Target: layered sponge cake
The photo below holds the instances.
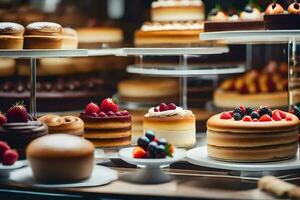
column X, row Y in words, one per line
column 173, row 123
column 106, row 126
column 249, row 135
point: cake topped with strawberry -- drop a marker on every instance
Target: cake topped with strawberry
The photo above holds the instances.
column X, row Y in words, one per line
column 247, row 134
column 18, row 128
column 106, row 125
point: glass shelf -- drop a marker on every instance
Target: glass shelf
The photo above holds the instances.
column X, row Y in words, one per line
column 252, row 36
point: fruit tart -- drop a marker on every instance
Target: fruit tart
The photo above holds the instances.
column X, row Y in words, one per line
column 247, row 134
column 106, row 125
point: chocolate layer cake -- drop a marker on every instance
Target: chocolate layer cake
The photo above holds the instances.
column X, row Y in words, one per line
column 282, row 22
column 214, row 26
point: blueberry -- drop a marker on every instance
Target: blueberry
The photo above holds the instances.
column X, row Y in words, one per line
column 143, row 142
column 162, row 141
column 160, row 152
column 265, row 111
column 255, row 115
column 237, row 117
column 150, row 135
column 152, row 147
column 239, row 111
column 248, row 111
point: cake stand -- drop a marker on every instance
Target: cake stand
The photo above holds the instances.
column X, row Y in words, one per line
column 150, row 172
column 199, row 156
column 6, row 170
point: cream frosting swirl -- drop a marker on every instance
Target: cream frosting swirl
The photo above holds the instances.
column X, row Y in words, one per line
column 178, row 111
column 171, row 3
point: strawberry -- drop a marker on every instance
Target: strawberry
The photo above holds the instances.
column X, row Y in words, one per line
column 10, row 157
column 17, row 113
column 3, row 148
column 226, row 115
column 139, row 152
column 3, row 119
column 276, row 115
column 247, row 119
column 288, row 118
column 91, row 108
column 282, row 114
column 265, row 118
column 109, row 105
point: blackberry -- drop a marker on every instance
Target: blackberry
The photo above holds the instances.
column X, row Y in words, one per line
column 265, row 111
column 237, row 116
column 239, row 111
column 160, row 152
column 248, row 111
column 254, row 115
column 162, row 141
column 143, row 142
column 152, row 148
column 150, row 135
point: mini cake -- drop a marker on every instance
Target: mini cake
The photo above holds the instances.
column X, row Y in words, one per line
column 173, row 123
column 216, row 15
column 254, row 88
column 106, row 126
column 60, row 158
column 11, row 35
column 249, row 135
column 148, row 90
column 251, row 13
column 43, row 35
column 70, row 38
column 66, row 124
column 174, row 10
column 19, row 129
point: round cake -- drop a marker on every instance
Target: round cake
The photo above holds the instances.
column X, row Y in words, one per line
column 105, row 125
column 60, row 158
column 173, row 123
column 66, row 124
column 174, row 10
column 249, row 135
column 11, row 35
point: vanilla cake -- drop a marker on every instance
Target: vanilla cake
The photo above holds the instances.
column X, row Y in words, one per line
column 177, row 10
column 176, row 125
column 256, row 138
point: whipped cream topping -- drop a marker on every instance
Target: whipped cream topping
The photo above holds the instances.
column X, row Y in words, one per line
column 233, row 18
column 255, row 15
column 173, row 3
column 170, row 26
column 178, row 111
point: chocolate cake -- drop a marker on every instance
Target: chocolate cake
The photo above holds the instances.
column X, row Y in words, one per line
column 212, row 26
column 282, row 22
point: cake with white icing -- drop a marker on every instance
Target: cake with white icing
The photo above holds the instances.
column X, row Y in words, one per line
column 173, row 123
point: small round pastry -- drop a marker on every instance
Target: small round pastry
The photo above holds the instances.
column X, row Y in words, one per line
column 70, row 38
column 252, row 135
column 274, row 9
column 66, row 124
column 43, row 35
column 217, row 15
column 11, row 35
column 294, row 8
column 251, row 13
column 61, row 158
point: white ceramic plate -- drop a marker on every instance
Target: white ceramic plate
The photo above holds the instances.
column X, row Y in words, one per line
column 5, row 170
column 126, row 155
column 100, row 176
column 198, row 156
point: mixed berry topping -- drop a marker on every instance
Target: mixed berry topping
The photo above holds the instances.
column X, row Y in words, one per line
column 165, row 107
column 262, row 114
column 7, row 155
column 151, row 147
column 107, row 108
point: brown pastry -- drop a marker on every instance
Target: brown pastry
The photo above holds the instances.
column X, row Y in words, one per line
column 11, row 35
column 274, row 9
column 43, row 35
column 61, row 158
column 294, row 8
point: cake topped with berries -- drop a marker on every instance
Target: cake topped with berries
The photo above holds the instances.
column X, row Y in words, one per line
column 252, row 135
column 174, row 123
column 105, row 125
column 18, row 128
column 255, row 88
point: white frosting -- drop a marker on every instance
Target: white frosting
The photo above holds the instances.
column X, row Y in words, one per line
column 233, row 18
column 173, row 3
column 172, row 26
column 177, row 111
column 255, row 15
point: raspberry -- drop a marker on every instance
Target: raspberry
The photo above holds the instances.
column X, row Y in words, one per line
column 247, row 119
column 255, row 115
column 91, row 108
column 10, row 157
column 237, row 117
column 172, row 106
column 248, row 111
column 265, row 111
column 118, row 114
column 109, row 105
column 102, row 114
column 3, row 147
column 225, row 115
column 110, row 113
column 239, row 111
column 125, row 113
column 265, row 118
column 163, row 107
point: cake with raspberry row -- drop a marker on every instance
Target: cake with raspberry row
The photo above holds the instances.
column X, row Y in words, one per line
column 173, row 123
column 252, row 135
column 106, row 125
